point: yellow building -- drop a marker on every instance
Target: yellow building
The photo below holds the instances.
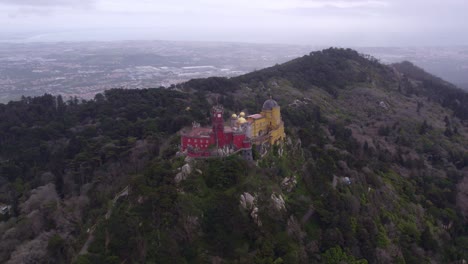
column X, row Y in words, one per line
column 266, row 126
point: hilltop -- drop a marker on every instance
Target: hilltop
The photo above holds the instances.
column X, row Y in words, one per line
column 374, row 170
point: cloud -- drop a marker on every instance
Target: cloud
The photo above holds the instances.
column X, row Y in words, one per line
column 326, row 4
column 240, row 6
column 19, row 9
column 292, row 21
column 47, row 3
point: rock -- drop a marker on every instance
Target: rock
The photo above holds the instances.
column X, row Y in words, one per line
column 299, row 143
column 383, row 105
column 220, row 152
column 278, row 202
column 247, row 201
column 280, row 151
column 179, row 177
column 346, row 180
column 254, row 215
column 335, row 181
column 186, row 169
column 340, row 180
column 289, row 183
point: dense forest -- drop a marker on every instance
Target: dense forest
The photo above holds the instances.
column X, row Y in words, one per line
column 374, row 170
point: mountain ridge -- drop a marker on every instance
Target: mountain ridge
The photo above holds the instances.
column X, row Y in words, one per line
column 374, row 170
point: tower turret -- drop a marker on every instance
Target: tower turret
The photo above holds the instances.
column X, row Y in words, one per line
column 217, row 123
column 233, row 120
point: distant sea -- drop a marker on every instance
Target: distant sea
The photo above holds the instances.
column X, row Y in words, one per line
column 76, row 36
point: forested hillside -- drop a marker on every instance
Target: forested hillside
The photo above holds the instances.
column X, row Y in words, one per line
column 374, row 170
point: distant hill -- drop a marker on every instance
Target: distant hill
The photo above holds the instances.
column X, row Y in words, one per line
column 464, row 86
column 374, row 170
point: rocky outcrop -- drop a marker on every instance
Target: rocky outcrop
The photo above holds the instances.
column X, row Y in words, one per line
column 340, row 181
column 247, row 202
column 289, row 183
column 280, row 150
column 224, row 152
column 255, row 217
column 278, row 202
column 185, row 171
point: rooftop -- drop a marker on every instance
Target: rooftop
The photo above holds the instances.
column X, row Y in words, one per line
column 198, row 132
column 255, row 116
column 202, row 132
column 269, row 104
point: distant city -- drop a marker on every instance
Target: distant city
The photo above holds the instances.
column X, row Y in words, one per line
column 83, row 69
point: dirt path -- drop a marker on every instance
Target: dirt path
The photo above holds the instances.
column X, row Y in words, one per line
column 90, row 231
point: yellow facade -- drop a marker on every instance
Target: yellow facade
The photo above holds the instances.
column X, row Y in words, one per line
column 268, row 127
column 259, row 127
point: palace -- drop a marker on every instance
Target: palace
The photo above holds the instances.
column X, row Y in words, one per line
column 238, row 136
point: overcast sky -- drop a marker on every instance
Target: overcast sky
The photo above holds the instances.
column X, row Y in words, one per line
column 314, row 22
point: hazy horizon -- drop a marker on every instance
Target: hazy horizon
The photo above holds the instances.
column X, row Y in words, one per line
column 117, row 36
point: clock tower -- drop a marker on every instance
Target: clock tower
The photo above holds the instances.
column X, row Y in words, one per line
column 217, row 123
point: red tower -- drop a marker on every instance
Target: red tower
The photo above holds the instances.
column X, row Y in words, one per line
column 217, row 123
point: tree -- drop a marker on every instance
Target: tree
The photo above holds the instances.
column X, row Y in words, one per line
column 336, row 255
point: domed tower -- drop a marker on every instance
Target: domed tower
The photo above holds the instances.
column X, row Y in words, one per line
column 271, row 111
column 241, row 120
column 233, row 120
column 272, row 114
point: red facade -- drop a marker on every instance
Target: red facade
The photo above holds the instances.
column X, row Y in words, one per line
column 201, row 142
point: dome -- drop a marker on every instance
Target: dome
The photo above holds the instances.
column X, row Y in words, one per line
column 242, row 114
column 241, row 120
column 234, row 116
column 269, row 104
